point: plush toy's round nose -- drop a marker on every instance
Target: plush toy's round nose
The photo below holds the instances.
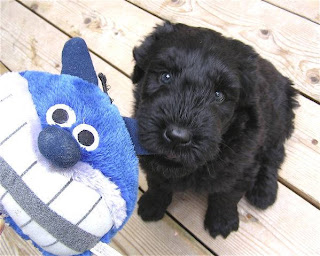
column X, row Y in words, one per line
column 58, row 145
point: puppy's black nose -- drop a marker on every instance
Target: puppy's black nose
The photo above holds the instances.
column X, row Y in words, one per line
column 177, row 134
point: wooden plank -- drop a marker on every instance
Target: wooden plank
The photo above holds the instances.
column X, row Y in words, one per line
column 110, row 28
column 305, row 8
column 300, row 170
column 156, row 238
column 29, row 45
column 289, row 42
column 3, row 69
column 35, row 50
column 12, row 244
column 290, row 227
column 129, row 19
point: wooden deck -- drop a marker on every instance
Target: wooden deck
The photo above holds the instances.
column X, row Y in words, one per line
column 285, row 32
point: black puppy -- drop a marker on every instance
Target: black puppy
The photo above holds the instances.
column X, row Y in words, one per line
column 216, row 115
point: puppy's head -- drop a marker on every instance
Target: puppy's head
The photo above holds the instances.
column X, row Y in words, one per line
column 188, row 85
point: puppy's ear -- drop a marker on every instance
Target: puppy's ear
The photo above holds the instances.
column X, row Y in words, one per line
column 137, row 74
column 143, row 53
column 247, row 60
column 247, row 68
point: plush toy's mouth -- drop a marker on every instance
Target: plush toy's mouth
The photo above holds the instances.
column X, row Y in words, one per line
column 109, row 191
column 60, row 213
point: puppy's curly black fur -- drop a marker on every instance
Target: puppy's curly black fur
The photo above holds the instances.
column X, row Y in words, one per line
column 216, row 116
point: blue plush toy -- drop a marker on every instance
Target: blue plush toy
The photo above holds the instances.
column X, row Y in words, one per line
column 68, row 166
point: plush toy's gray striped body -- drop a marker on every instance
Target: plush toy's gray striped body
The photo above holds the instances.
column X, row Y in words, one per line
column 46, row 217
column 60, row 214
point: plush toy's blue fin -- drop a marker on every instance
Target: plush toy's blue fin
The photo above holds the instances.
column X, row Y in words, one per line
column 76, row 60
column 132, row 127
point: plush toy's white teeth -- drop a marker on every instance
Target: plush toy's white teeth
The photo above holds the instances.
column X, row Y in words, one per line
column 109, row 191
column 65, row 218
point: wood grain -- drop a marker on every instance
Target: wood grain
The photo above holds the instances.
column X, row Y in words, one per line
column 290, row 227
column 156, row 238
column 300, row 170
column 303, row 173
column 289, row 42
column 305, row 8
column 3, row 69
column 111, row 28
column 12, row 244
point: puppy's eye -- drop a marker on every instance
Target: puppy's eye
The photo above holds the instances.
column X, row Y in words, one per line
column 219, row 97
column 165, row 78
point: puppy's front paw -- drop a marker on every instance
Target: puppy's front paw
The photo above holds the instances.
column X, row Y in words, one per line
column 220, row 223
column 152, row 207
column 263, row 193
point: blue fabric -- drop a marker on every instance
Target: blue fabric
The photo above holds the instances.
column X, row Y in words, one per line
column 76, row 60
column 132, row 127
column 77, row 87
column 115, row 156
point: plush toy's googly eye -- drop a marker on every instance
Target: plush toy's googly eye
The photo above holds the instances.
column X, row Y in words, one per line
column 61, row 114
column 87, row 136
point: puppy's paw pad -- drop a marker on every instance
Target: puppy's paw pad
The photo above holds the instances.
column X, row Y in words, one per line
column 221, row 225
column 149, row 209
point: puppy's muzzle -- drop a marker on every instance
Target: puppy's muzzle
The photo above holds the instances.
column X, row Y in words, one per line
column 177, row 135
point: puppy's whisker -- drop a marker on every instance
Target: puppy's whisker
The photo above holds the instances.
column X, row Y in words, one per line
column 211, row 173
column 224, row 144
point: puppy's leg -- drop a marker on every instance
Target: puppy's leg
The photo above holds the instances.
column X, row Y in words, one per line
column 264, row 192
column 153, row 203
column 222, row 214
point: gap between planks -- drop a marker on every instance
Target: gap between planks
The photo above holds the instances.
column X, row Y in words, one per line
column 308, row 9
column 31, row 8
column 120, row 94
